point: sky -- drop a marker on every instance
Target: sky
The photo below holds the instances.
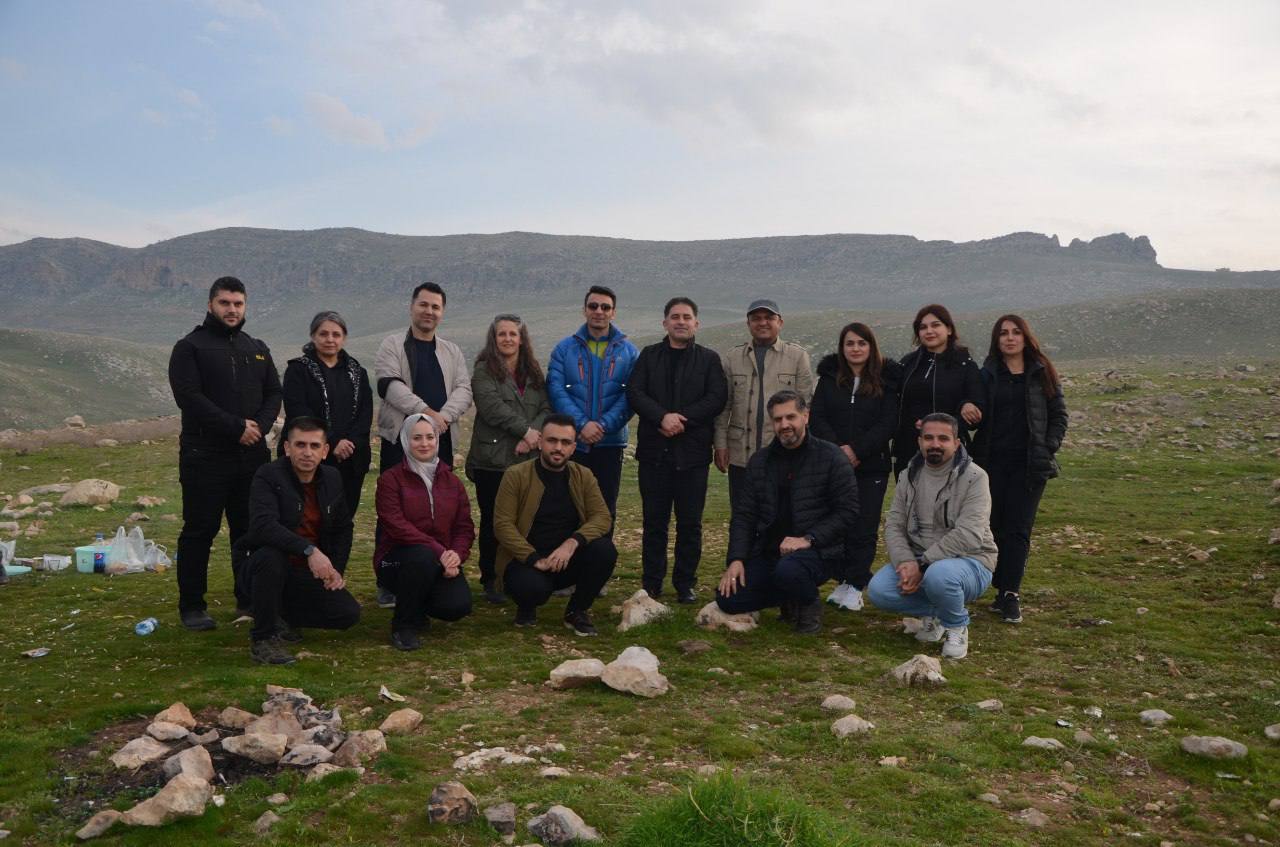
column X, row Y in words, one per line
column 134, row 121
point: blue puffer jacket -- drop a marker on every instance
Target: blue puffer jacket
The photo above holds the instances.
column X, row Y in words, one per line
column 589, row 388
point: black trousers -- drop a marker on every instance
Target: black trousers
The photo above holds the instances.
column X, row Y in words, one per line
column 213, row 482
column 606, row 464
column 281, row 589
column 772, row 582
column 589, row 569
column 737, row 483
column 1015, row 499
column 860, row 543
column 391, row 454
column 353, row 470
column 487, row 483
column 663, row 488
column 414, row 574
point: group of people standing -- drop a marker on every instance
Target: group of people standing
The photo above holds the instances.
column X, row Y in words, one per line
column 808, row 467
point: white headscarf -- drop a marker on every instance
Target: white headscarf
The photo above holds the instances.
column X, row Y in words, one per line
column 426, row 470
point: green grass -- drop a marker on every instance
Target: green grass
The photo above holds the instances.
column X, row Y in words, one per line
column 1114, row 535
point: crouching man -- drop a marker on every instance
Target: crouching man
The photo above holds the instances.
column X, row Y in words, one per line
column 298, row 542
column 789, row 521
column 938, row 535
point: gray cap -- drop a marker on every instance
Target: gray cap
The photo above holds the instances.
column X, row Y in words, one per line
column 769, row 305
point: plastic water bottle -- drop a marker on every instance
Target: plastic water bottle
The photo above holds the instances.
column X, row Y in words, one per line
column 99, row 553
column 146, row 626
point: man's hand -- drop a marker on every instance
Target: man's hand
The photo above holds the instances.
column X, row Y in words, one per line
column 722, row 459
column 559, row 558
column 251, row 435
column 323, row 570
column 522, row 447
column 437, row 420
column 908, row 576
column 792, row 543
column 343, row 450
column 591, row 433
column 971, row 414
column 735, row 577
column 849, row 454
column 451, row 562
column 532, row 439
column 672, row 424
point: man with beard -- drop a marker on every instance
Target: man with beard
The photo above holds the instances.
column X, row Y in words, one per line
column 789, row 523
column 938, row 535
column 229, row 392
column 552, row 526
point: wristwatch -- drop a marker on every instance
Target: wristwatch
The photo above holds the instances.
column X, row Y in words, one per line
column 311, row 548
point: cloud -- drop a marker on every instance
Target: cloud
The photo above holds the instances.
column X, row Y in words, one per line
column 189, row 98
column 278, row 125
column 247, row 10
column 11, row 69
column 155, row 117
column 343, row 125
column 217, row 27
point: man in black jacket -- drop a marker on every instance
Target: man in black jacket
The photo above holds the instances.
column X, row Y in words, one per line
column 229, row 392
column 677, row 389
column 789, row 526
column 298, row 542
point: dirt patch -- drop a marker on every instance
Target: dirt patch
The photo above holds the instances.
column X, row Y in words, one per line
column 125, row 432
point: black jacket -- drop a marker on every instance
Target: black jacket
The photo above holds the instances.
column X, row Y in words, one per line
column 275, row 511
column 306, row 393
column 700, row 394
column 866, row 424
column 824, row 500
column 220, row 378
column 1046, row 421
column 953, row 381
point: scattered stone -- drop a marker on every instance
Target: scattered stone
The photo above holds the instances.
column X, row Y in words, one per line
column 194, row 761
column 165, row 731
column 265, row 748
column 710, row 617
column 1275, row 536
column 993, row 799
column 182, row 797
column 139, row 752
column 635, row 671
column 1031, row 817
column 234, row 718
column 306, row 755
column 1274, row 804
column 451, row 803
column 98, row 824
column 146, row 501
column 502, row 818
column 323, row 769
column 1199, row 555
column 990, row 705
column 892, row 761
column 264, row 822
column 1272, row 732
column 919, row 670
column 1043, row 743
column 561, row 825
column 138, row 517
column 851, row 725
column 1155, row 717
column 277, row 799
column 839, row 703
column 401, row 722
column 74, row 422
column 576, row 673
column 106, row 442
column 327, row 738
column 90, row 492
column 640, row 609
column 1214, row 747
column 276, row 722
column 480, row 758
column 9, row 527
column 1085, row 738
column 708, row 770
column 359, row 748
column 219, row 800
column 693, row 646
column 207, row 737
column 51, row 488
column 554, row 773
column 331, row 718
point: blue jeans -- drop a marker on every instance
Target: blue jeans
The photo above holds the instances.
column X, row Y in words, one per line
column 947, row 586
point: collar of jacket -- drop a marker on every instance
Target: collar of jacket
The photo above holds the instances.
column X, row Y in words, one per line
column 995, row 364
column 292, row 475
column 748, row 347
column 212, row 324
column 959, row 462
column 614, row 335
column 775, row 446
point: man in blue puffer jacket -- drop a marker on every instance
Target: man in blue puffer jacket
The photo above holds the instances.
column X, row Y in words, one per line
column 587, row 380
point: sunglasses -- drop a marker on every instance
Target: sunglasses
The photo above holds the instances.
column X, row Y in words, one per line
column 600, row 307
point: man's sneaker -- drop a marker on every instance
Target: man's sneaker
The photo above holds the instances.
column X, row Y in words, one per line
column 405, row 639
column 287, row 634
column 836, row 597
column 386, row 599
column 930, row 630
column 997, row 605
column 955, row 642
column 686, row 596
column 197, row 620
column 269, row 651
column 654, row 593
column 580, row 623
column 1012, row 610
column 852, row 599
column 809, row 618
column 526, row 616
column 492, row 594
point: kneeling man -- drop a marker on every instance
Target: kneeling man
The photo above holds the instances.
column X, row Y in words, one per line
column 298, row 541
column 789, row 521
column 552, row 526
column 938, row 534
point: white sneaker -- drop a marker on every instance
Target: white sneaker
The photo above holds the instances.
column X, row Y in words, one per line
column 955, row 642
column 837, row 596
column 930, row 630
column 852, row 599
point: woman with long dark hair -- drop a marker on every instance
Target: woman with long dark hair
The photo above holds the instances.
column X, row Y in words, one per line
column 855, row 405
column 326, row 382
column 510, row 393
column 1022, row 429
column 937, row 376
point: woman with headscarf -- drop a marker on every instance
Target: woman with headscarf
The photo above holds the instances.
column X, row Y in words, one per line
column 425, row 525
column 326, row 382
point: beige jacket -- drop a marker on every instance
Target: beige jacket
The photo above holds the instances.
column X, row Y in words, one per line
column 786, row 365
column 961, row 517
column 392, row 364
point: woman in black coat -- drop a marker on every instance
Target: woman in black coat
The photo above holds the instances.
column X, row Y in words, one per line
column 325, row 382
column 1024, row 424
column 855, row 406
column 938, row 376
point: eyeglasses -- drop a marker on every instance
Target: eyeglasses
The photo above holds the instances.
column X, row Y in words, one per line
column 600, row 307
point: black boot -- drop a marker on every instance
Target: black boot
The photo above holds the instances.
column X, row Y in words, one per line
column 809, row 618
column 787, row 611
column 492, row 594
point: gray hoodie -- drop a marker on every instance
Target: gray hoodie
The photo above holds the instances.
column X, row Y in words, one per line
column 961, row 516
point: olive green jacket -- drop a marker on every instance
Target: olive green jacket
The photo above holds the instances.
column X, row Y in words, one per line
column 517, row 503
column 786, row 365
column 503, row 416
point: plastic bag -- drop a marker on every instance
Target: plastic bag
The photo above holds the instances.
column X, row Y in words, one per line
column 6, row 551
column 126, row 551
column 155, row 557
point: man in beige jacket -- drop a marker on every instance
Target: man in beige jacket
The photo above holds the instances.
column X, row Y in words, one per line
column 756, row 370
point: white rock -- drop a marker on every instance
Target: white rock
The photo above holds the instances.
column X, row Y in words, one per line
column 1043, row 743
column 487, row 755
column 892, row 761
column 277, row 799
column 165, row 731
column 851, row 725
column 265, row 748
column 1031, row 817
column 635, row 671
column 323, row 769
column 359, row 748
column 708, row 770
column 710, row 617
column 1093, row 711
column 452, row 803
column 554, row 773
column 182, row 797
column 990, row 705
column 194, row 761
column 98, row 824
column 74, row 422
column 1214, row 747
column 264, row 822
column 139, row 752
column 1272, row 732
column 91, row 492
column 920, row 670
column 640, row 609
column 1155, row 717
column 993, row 799
column 306, row 755
column 561, row 825
column 327, row 738
column 234, row 718
column 839, row 703
column 401, row 722
column 576, row 673
column 277, row 722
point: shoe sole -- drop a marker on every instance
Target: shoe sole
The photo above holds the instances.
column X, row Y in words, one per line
column 201, row 627
column 292, row 659
column 579, row 632
column 1018, row 619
